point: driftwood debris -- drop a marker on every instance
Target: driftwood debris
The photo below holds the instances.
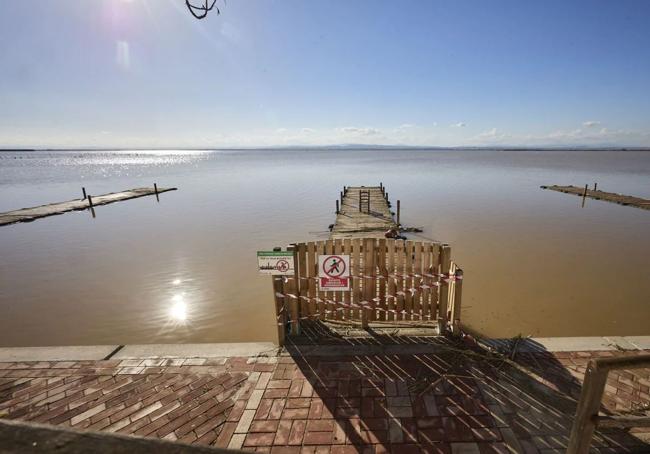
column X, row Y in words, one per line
column 29, row 214
column 613, row 197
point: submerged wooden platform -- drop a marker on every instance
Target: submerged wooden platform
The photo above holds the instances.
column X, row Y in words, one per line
column 613, row 197
column 29, row 214
column 353, row 222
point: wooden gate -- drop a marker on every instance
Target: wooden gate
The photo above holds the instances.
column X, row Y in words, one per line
column 391, row 281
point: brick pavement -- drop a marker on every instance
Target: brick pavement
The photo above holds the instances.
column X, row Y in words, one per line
column 437, row 402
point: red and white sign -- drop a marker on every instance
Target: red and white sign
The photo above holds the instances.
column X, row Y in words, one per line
column 334, row 272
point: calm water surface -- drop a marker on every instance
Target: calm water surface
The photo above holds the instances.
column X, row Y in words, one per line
column 184, row 269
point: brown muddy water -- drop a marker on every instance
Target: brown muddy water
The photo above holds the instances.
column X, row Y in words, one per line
column 184, row 269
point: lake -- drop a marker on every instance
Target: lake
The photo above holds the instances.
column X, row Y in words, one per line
column 184, row 269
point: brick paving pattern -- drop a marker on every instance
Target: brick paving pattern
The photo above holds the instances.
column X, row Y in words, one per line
column 436, row 402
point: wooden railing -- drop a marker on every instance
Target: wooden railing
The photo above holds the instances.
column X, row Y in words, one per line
column 587, row 418
column 393, row 281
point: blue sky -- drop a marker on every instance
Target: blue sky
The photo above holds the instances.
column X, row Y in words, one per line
column 144, row 73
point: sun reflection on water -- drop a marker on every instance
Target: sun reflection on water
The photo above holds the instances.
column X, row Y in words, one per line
column 178, row 310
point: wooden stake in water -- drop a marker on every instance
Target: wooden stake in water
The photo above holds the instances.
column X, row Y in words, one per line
column 84, row 191
column 337, row 207
column 398, row 213
column 595, row 186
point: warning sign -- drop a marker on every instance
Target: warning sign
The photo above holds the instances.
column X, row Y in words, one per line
column 275, row 262
column 334, row 272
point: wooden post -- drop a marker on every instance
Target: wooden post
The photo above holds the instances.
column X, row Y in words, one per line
column 386, row 196
column 595, row 186
column 337, row 207
column 590, row 397
column 445, row 265
column 84, row 191
column 359, row 201
column 455, row 314
column 381, row 186
column 294, row 299
column 90, row 201
column 398, row 213
column 280, row 312
column 155, row 188
column 584, row 194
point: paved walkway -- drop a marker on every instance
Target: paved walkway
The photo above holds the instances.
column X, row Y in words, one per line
column 448, row 400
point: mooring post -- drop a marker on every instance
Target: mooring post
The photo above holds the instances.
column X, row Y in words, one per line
column 595, row 186
column 386, row 196
column 90, row 201
column 398, row 213
column 360, row 201
column 584, row 194
column 381, row 186
column 155, row 188
column 337, row 207
column 84, row 191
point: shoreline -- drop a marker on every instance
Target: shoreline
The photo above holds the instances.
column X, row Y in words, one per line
column 239, row 349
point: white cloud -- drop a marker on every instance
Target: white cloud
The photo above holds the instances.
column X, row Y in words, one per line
column 281, row 130
column 458, row 125
column 307, row 130
column 406, row 126
column 359, row 131
column 591, row 124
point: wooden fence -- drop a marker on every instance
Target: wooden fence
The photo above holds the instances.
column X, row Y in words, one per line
column 587, row 418
column 391, row 281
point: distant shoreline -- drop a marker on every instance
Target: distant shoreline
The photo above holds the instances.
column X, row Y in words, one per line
column 337, row 148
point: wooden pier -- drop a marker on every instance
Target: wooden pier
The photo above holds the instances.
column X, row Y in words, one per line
column 613, row 197
column 90, row 201
column 363, row 212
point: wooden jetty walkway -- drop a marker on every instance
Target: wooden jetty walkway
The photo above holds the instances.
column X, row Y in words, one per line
column 29, row 214
column 364, row 212
column 613, row 197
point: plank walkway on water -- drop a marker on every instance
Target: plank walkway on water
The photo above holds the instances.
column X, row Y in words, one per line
column 29, row 214
column 351, row 222
column 613, row 197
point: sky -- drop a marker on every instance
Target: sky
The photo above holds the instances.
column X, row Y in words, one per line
column 146, row 74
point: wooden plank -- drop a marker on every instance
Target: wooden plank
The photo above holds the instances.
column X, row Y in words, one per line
column 590, row 397
column 458, row 294
column 368, row 251
column 338, row 296
column 408, row 270
column 621, row 199
column 390, row 268
column 303, row 282
column 331, row 308
column 312, row 265
column 353, row 223
column 622, row 422
column 347, row 250
column 445, row 265
column 399, row 271
column 280, row 312
column 30, row 214
column 322, row 305
column 417, row 280
column 381, row 281
column 356, row 282
column 426, row 281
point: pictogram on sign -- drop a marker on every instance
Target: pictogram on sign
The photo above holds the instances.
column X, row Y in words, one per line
column 334, row 272
column 275, row 262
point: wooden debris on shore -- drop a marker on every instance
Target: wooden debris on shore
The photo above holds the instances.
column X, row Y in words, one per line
column 29, row 214
column 613, row 197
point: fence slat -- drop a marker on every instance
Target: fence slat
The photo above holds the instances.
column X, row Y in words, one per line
column 320, row 250
column 445, row 265
column 426, row 292
column 399, row 273
column 280, row 312
column 390, row 245
column 408, row 269
column 356, row 282
column 338, row 296
column 347, row 250
column 303, row 282
column 381, row 282
column 311, row 270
